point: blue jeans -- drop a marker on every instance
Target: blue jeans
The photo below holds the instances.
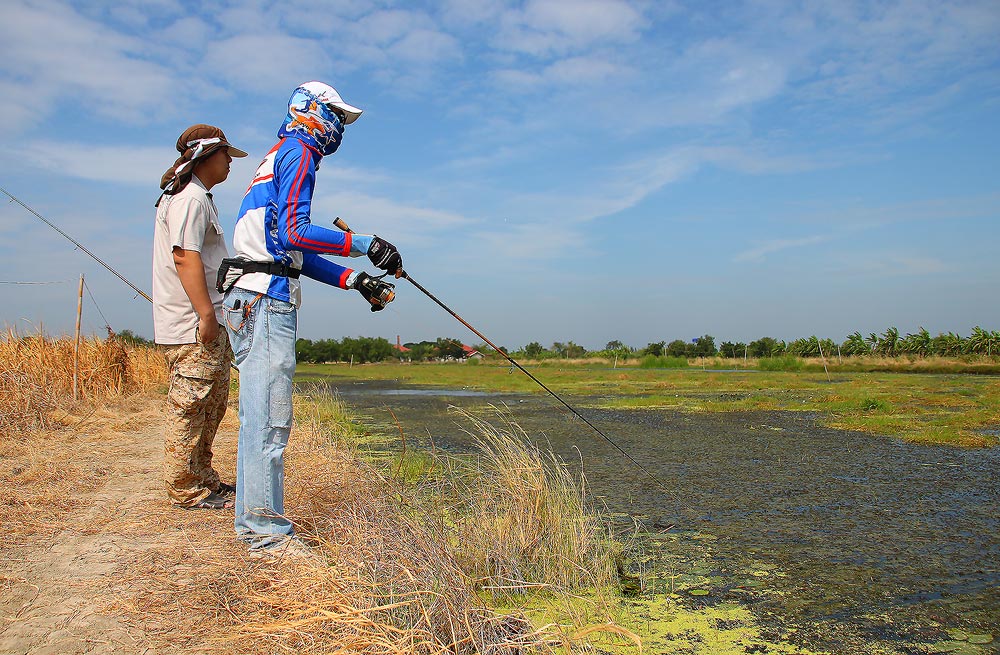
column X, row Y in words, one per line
column 263, row 340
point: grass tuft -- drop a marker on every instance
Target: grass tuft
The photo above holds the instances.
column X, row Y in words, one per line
column 523, row 521
column 650, row 361
column 786, row 363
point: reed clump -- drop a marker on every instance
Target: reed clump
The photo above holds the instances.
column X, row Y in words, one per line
column 521, row 518
column 37, row 374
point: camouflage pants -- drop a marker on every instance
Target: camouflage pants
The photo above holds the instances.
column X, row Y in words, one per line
column 199, row 391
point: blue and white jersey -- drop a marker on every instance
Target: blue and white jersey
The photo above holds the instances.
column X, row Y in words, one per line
column 274, row 225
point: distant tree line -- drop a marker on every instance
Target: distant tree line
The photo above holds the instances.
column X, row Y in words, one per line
column 890, row 343
column 367, row 349
column 359, row 350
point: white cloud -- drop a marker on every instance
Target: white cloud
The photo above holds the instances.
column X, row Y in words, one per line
column 131, row 165
column 426, row 46
column 384, row 27
column 56, row 58
column 115, row 164
column 578, row 75
column 526, row 243
column 369, row 214
column 245, row 61
column 881, row 264
column 546, row 27
column 471, row 12
column 760, row 251
column 629, row 184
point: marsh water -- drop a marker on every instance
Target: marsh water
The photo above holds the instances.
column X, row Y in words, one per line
column 841, row 541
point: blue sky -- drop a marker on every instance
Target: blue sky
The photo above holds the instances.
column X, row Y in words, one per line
column 582, row 170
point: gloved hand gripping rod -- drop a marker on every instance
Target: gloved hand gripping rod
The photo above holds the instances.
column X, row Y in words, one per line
column 340, row 223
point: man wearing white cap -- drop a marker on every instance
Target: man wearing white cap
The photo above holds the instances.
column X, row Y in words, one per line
column 188, row 247
column 276, row 242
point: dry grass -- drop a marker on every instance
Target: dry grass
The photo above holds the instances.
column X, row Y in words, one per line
column 37, row 376
column 44, row 468
column 395, row 569
column 400, row 567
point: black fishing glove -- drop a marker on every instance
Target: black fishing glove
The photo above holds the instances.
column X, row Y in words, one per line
column 375, row 291
column 384, row 255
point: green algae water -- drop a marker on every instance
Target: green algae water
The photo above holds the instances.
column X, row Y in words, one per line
column 841, row 541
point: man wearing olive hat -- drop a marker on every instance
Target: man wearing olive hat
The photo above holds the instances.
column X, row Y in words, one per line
column 188, row 247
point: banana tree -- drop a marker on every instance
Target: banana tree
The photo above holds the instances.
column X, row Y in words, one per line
column 855, row 345
column 947, row 344
column 982, row 342
column 888, row 343
column 917, row 344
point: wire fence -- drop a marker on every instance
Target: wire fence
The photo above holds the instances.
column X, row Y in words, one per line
column 90, row 294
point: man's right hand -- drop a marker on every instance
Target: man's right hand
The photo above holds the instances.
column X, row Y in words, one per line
column 208, row 330
column 367, row 286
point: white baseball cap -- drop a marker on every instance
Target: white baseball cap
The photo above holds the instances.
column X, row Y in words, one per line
column 328, row 95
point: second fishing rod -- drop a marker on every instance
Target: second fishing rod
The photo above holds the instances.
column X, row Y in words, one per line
column 341, row 224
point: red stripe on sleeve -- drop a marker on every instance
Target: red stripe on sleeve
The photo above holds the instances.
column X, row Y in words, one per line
column 292, row 202
column 293, row 234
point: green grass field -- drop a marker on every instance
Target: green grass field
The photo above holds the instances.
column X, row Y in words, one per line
column 952, row 409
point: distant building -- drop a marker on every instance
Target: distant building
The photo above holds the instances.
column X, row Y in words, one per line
column 468, row 352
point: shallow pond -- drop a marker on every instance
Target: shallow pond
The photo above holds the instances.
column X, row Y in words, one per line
column 852, row 542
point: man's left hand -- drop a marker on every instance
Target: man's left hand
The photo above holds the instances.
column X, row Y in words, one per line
column 385, row 256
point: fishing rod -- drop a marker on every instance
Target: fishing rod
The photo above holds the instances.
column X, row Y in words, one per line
column 84, row 249
column 340, row 223
column 77, row 244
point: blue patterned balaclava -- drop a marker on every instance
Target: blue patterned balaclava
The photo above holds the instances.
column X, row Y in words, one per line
column 311, row 117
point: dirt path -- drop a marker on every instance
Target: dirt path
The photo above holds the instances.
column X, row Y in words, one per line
column 64, row 585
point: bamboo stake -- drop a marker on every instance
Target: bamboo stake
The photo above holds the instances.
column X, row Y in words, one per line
column 820, row 344
column 76, row 347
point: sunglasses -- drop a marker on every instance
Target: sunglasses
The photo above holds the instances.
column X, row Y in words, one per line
column 339, row 113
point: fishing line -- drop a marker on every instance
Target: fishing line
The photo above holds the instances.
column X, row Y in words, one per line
column 552, row 393
column 77, row 244
column 94, row 300
column 340, row 223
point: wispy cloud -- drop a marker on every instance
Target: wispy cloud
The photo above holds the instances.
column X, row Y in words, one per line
column 54, row 57
column 240, row 60
column 531, row 244
column 553, row 27
column 367, row 213
column 114, row 164
column 760, row 251
column 879, row 264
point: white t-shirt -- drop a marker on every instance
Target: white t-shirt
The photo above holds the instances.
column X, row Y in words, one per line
column 188, row 220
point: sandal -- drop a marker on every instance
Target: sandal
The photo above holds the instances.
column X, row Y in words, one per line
column 226, row 490
column 212, row 501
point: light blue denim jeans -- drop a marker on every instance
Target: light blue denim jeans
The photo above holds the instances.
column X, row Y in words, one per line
column 263, row 340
